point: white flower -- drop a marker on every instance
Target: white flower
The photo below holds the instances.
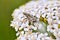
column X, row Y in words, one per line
column 20, row 28
column 26, row 29
column 57, row 33
column 45, row 8
column 38, row 15
column 58, row 21
column 49, row 28
column 55, row 26
column 16, row 13
column 16, row 28
column 35, row 28
column 22, row 38
column 49, row 20
column 14, row 23
column 17, row 34
column 24, row 24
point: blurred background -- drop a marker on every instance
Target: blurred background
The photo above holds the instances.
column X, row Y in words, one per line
column 6, row 9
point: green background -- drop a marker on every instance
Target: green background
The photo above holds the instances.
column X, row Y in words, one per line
column 6, row 9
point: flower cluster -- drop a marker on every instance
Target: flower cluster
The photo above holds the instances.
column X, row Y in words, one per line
column 37, row 20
